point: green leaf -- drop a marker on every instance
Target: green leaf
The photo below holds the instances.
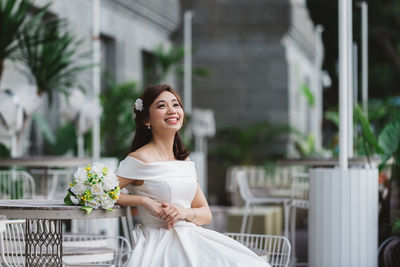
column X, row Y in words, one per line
column 390, row 137
column 87, row 209
column 333, row 116
column 67, row 199
column 367, row 131
column 44, row 127
column 308, row 94
column 109, row 209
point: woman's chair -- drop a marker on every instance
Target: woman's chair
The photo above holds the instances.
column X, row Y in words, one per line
column 274, row 249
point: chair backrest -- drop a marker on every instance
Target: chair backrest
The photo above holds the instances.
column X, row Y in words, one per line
column 16, row 184
column 274, row 249
column 259, row 177
column 12, row 243
column 59, row 181
column 300, row 186
column 244, row 189
column 96, row 250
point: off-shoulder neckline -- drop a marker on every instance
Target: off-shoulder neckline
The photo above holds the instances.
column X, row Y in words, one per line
column 156, row 162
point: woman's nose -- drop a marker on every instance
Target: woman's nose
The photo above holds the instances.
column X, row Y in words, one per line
column 171, row 109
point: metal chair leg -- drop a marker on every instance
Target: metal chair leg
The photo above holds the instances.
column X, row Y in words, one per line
column 293, row 234
column 244, row 219
column 251, row 219
column 286, row 211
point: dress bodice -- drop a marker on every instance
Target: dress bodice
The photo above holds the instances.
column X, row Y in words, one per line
column 172, row 182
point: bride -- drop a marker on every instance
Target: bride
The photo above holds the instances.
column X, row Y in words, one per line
column 163, row 185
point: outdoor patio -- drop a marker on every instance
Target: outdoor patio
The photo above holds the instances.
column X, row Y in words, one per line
column 292, row 120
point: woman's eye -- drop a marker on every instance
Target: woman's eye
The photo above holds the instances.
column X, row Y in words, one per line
column 176, row 105
column 161, row 106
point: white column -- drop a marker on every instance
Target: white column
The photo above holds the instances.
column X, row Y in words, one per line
column 96, row 77
column 349, row 44
column 343, row 218
column 343, row 84
column 364, row 55
column 187, row 36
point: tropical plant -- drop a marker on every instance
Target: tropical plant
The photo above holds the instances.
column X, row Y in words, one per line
column 117, row 125
column 245, row 145
column 166, row 61
column 388, row 143
column 54, row 63
column 13, row 19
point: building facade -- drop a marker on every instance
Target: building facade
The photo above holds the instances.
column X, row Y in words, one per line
column 128, row 30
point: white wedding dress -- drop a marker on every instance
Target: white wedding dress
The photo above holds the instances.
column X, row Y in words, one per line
column 185, row 244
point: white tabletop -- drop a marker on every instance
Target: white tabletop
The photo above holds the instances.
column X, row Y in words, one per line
column 44, row 162
column 52, row 209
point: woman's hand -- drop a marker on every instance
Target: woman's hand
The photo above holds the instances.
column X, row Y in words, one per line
column 170, row 214
column 153, row 206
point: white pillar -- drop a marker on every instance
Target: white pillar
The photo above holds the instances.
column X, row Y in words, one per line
column 364, row 55
column 96, row 76
column 187, row 36
column 349, row 60
column 343, row 218
column 343, row 84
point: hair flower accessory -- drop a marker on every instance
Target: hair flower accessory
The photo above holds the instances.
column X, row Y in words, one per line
column 139, row 104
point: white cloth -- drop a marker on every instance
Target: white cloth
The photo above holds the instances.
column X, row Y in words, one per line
column 185, row 244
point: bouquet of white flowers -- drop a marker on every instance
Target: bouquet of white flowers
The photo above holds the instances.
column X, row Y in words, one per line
column 94, row 186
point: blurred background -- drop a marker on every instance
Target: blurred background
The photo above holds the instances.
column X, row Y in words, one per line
column 259, row 79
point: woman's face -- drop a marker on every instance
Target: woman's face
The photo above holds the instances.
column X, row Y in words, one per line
column 165, row 113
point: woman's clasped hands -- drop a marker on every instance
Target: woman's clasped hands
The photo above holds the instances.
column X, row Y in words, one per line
column 168, row 213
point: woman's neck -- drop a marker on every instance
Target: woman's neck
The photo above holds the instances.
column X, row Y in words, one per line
column 164, row 146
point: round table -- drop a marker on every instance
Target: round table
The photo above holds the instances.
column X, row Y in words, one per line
column 44, row 223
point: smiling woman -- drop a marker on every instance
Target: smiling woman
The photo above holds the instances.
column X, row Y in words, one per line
column 161, row 109
column 163, row 185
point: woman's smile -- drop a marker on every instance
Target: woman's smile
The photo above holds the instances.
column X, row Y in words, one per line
column 172, row 120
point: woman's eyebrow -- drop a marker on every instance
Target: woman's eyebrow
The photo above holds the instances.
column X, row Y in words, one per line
column 159, row 101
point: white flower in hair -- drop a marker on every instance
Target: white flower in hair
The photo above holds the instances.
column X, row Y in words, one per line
column 139, row 104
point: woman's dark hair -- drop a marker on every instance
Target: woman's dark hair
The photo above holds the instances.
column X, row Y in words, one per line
column 144, row 135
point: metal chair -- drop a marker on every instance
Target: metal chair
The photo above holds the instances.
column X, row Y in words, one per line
column 251, row 200
column 59, row 181
column 12, row 243
column 95, row 250
column 16, row 184
column 274, row 249
column 299, row 200
column 78, row 250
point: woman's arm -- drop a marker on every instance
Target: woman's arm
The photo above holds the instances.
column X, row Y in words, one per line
column 135, row 200
column 200, row 209
column 199, row 213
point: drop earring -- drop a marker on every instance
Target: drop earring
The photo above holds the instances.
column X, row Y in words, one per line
column 148, row 127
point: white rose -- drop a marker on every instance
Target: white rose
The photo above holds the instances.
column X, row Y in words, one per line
column 80, row 175
column 78, row 188
column 94, row 203
column 109, row 183
column 74, row 200
column 97, row 168
column 107, row 202
column 96, row 189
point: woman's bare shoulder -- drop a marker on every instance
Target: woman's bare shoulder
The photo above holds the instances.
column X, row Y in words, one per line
column 142, row 154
